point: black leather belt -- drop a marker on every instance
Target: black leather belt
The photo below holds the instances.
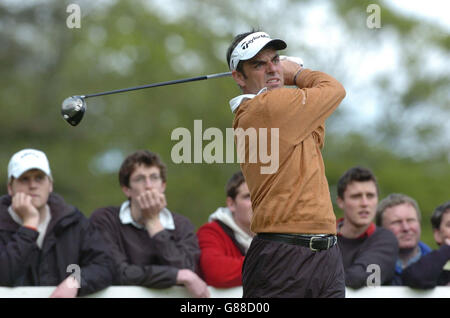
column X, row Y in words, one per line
column 315, row 243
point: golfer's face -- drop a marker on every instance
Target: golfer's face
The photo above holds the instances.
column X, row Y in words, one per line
column 263, row 70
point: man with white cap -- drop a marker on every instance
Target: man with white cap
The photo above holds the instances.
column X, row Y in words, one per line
column 43, row 240
column 294, row 252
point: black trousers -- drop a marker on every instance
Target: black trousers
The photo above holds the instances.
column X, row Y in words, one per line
column 279, row 270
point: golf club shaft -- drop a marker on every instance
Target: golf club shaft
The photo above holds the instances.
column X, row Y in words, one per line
column 185, row 80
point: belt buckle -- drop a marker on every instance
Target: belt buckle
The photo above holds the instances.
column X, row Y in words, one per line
column 331, row 241
column 311, row 242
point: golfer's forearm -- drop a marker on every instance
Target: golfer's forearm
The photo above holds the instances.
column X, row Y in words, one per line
column 316, row 79
column 322, row 92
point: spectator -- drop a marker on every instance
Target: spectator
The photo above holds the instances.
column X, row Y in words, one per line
column 360, row 241
column 224, row 241
column 433, row 269
column 43, row 240
column 401, row 214
column 151, row 245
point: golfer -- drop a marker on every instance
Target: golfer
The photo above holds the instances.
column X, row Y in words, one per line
column 294, row 252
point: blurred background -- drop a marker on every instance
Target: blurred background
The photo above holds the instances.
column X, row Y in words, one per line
column 394, row 120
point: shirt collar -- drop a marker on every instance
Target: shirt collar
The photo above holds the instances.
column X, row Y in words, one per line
column 165, row 217
column 235, row 102
column 399, row 266
column 422, row 251
column 368, row 232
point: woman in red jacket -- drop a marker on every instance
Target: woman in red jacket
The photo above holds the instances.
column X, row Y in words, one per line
column 225, row 239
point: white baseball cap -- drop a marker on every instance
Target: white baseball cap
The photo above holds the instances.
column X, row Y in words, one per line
column 251, row 45
column 28, row 159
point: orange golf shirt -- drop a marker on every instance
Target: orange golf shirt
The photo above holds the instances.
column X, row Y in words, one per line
column 295, row 198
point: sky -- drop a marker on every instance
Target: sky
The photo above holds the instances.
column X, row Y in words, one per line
column 436, row 11
column 366, row 59
column 363, row 62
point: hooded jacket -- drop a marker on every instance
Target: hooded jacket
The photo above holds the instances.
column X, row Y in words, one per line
column 69, row 240
column 223, row 245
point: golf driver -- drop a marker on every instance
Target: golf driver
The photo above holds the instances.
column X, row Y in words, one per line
column 74, row 107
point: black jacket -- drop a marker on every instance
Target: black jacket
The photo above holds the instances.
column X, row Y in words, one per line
column 147, row 261
column 69, row 240
column 380, row 248
column 428, row 271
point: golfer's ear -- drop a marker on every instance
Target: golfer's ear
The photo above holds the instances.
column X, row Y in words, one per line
column 238, row 78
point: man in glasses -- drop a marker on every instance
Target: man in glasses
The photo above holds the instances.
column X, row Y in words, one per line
column 151, row 246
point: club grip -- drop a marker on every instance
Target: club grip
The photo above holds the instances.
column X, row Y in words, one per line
column 218, row 75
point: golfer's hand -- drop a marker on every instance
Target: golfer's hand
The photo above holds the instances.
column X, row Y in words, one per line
column 67, row 289
column 294, row 59
column 21, row 204
column 290, row 65
column 194, row 284
column 151, row 202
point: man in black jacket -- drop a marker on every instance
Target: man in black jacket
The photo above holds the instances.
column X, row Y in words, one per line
column 151, row 245
column 368, row 252
column 433, row 269
column 43, row 240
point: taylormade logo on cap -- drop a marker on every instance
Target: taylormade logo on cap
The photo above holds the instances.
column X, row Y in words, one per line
column 251, row 45
column 28, row 159
column 254, row 37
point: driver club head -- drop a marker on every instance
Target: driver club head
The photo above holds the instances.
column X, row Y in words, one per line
column 73, row 109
